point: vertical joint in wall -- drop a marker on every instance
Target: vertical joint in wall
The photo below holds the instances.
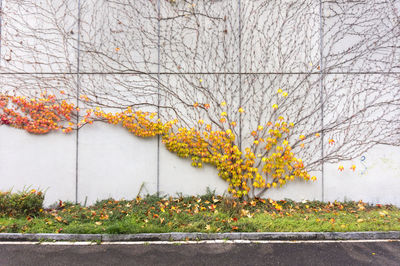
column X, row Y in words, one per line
column 321, row 85
column 77, row 102
column 240, row 74
column 158, row 93
column 1, row 24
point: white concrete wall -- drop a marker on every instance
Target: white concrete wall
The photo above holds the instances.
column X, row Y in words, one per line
column 30, row 161
column 114, row 163
column 375, row 180
column 178, row 176
column 111, row 162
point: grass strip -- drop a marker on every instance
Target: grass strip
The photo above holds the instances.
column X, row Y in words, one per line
column 209, row 214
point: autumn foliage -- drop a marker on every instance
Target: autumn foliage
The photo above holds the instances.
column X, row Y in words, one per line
column 36, row 116
column 247, row 173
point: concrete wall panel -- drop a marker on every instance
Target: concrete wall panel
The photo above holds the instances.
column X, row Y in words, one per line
column 30, row 161
column 115, row 163
column 375, row 180
column 178, row 176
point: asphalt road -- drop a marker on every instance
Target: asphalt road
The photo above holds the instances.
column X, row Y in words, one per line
column 302, row 253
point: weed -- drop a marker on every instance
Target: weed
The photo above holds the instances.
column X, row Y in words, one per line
column 22, row 203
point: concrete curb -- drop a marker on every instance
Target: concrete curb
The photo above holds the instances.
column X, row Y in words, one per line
column 394, row 235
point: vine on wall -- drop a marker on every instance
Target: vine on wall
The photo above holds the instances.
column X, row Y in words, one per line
column 247, row 173
column 250, row 89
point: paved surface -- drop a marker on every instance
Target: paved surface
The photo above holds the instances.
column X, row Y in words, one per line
column 281, row 253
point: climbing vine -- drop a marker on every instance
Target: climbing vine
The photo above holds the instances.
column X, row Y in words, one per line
column 245, row 172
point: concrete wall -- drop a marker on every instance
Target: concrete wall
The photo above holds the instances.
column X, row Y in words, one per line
column 114, row 163
column 106, row 161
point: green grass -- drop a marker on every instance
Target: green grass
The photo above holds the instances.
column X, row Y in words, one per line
column 205, row 214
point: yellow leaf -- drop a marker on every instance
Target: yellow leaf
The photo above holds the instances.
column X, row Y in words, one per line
column 361, row 207
column 383, row 213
